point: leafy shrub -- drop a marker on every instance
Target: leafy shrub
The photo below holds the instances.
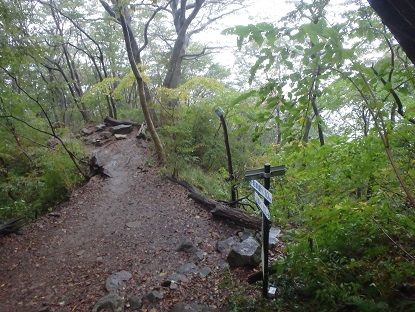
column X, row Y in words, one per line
column 347, row 225
column 34, row 178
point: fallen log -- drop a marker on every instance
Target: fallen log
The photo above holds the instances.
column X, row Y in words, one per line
column 207, row 203
column 186, row 185
column 237, row 216
column 12, row 226
column 115, row 122
column 220, row 211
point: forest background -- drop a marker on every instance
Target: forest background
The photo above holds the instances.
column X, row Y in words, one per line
column 325, row 90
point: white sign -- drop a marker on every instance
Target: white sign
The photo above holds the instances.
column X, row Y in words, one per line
column 262, row 206
column 261, row 190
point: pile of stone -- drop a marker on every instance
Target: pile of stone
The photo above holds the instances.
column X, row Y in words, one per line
column 111, row 128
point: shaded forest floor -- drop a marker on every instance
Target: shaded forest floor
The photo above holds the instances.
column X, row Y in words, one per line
column 133, row 221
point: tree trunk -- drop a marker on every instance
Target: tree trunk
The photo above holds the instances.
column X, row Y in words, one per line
column 307, row 128
column 318, row 118
column 279, row 134
column 141, row 91
column 174, row 71
column 237, row 216
column 312, row 96
column 410, row 196
column 72, row 71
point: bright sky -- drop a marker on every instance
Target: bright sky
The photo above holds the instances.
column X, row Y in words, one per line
column 258, row 11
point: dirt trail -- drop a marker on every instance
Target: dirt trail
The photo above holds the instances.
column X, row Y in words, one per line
column 133, row 221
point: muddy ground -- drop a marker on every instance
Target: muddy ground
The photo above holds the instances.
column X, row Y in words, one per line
column 132, row 221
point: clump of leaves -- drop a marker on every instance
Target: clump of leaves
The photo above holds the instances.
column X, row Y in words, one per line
column 34, row 178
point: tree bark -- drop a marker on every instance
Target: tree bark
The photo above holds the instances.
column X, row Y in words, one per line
column 181, row 24
column 307, row 128
column 220, row 211
column 312, row 96
column 141, row 90
column 237, row 217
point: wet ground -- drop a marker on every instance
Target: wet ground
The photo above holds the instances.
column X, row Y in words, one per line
column 132, row 221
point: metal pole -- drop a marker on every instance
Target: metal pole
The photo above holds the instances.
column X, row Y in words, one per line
column 265, row 234
column 229, row 156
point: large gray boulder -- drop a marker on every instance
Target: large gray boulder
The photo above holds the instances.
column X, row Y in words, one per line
column 245, row 254
column 186, row 245
column 100, row 127
column 154, row 296
column 176, row 278
column 135, row 303
column 225, row 246
column 105, row 135
column 87, row 131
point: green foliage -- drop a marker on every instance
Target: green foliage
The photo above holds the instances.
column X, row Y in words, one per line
column 348, row 226
column 242, row 303
column 33, row 177
column 213, row 184
column 340, row 205
column 342, row 258
column 195, row 138
column 134, row 114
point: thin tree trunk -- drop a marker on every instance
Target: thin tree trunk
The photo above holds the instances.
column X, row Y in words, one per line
column 312, row 96
column 307, row 128
column 141, row 91
column 279, row 134
column 174, row 71
column 318, row 117
column 73, row 73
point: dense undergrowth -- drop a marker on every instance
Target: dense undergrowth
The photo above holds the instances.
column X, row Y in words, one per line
column 35, row 171
column 348, row 229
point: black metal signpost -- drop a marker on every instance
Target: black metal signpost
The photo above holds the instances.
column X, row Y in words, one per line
column 266, row 173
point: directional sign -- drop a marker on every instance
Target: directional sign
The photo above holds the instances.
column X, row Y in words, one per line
column 259, row 173
column 262, row 206
column 261, row 190
column 264, row 173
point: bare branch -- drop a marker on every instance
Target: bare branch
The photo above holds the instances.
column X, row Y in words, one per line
column 211, row 20
column 201, row 53
column 148, row 24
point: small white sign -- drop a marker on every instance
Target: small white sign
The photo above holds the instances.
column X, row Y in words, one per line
column 261, row 190
column 272, row 291
column 262, row 206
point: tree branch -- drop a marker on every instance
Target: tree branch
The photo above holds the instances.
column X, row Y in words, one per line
column 52, row 133
column 147, row 24
column 211, row 20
